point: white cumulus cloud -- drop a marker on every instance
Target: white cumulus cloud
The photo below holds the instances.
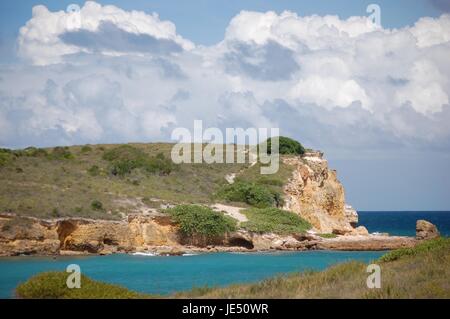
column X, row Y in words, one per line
column 128, row 76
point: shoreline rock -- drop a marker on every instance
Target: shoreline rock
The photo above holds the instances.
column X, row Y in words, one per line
column 426, row 230
column 75, row 237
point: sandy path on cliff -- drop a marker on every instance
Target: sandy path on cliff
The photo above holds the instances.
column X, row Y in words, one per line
column 232, row 211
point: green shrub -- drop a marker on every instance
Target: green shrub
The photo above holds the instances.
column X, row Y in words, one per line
column 201, row 223
column 34, row 152
column 6, row 156
column 94, row 170
column 52, row 285
column 122, row 167
column 97, row 205
column 159, row 164
column 421, row 248
column 250, row 193
column 125, row 158
column 123, row 153
column 287, row 146
column 55, row 212
column 273, row 220
column 86, row 149
column 61, row 153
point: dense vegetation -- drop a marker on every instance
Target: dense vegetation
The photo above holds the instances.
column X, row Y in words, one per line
column 125, row 158
column 273, row 220
column 199, row 224
column 287, row 146
column 253, row 194
column 52, row 285
column 423, row 248
column 422, row 272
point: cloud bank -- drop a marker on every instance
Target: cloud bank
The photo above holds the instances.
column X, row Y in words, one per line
column 118, row 76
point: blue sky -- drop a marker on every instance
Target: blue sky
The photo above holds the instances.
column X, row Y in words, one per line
column 204, row 21
column 375, row 100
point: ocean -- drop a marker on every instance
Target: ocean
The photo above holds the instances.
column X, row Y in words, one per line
column 165, row 275
column 403, row 223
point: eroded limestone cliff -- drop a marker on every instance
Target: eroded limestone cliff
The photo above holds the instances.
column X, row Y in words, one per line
column 28, row 236
column 315, row 193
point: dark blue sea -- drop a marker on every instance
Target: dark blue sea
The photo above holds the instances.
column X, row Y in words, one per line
column 164, row 275
column 403, row 223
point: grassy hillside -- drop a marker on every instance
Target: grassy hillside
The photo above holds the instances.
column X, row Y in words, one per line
column 103, row 181
column 421, row 272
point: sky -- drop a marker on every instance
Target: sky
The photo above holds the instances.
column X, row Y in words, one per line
column 373, row 97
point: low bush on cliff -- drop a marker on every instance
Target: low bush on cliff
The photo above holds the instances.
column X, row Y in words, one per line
column 61, row 153
column 124, row 159
column 287, row 146
column 96, row 205
column 273, row 220
column 7, row 155
column 52, row 285
column 250, row 193
column 201, row 223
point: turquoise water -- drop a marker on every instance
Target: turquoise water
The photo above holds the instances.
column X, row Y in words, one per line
column 165, row 275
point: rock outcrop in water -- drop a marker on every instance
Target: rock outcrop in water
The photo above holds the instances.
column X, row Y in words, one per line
column 426, row 230
column 315, row 193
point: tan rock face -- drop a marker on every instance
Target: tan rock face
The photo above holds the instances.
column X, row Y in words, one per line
column 367, row 243
column 31, row 236
column 315, row 193
column 426, row 230
column 19, row 236
column 360, row 231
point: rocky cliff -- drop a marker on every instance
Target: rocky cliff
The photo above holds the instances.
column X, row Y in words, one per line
column 315, row 193
column 28, row 236
column 157, row 235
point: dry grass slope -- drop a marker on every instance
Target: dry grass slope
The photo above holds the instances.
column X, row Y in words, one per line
column 60, row 182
